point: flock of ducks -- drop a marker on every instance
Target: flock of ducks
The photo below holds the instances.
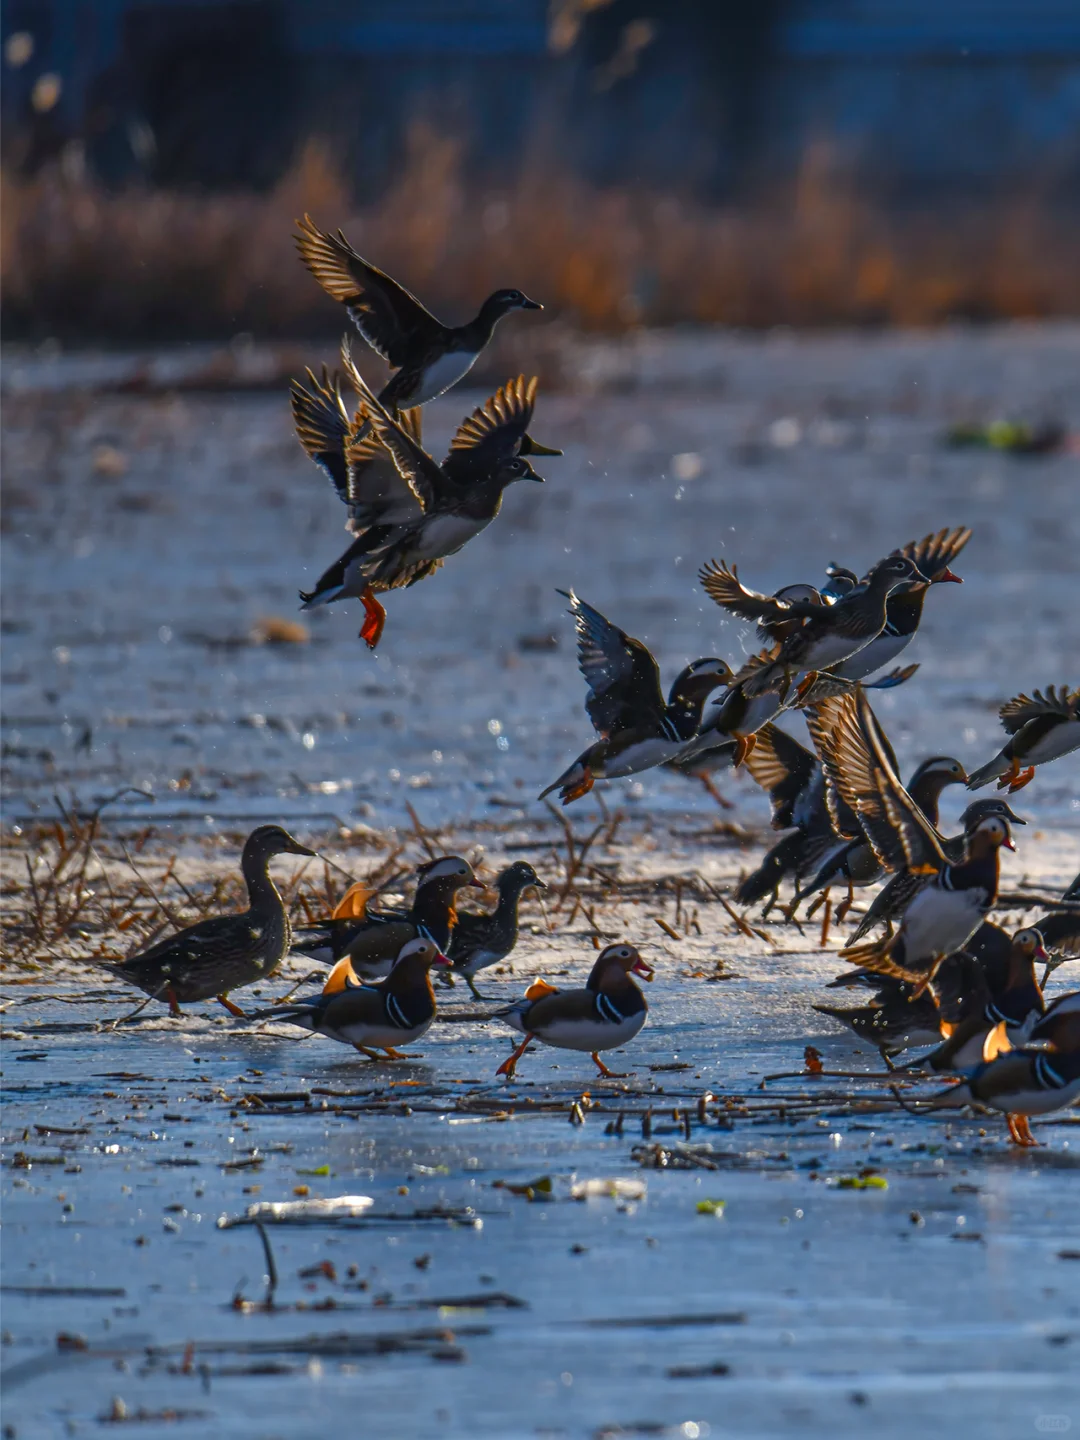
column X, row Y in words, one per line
column 931, row 968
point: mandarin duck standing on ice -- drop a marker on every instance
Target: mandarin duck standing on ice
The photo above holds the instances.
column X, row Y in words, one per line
column 1037, row 1078
column 395, row 1012
column 607, row 1013
column 480, row 941
column 207, row 960
column 370, row 942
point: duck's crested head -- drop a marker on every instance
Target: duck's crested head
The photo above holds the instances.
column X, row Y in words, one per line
column 617, row 958
column 269, row 840
column 978, row 811
column 520, row 876
column 699, row 679
column 990, row 834
column 449, row 870
column 896, row 571
column 518, row 468
column 1029, row 944
column 944, row 769
column 419, row 954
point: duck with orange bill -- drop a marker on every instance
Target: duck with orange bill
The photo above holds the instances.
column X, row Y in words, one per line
column 1037, row 1078
column 608, row 1012
column 371, row 1018
column 372, row 939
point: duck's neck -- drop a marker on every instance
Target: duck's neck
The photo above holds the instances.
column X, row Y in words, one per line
column 904, row 609
column 476, row 334
column 506, row 911
column 262, row 892
column 433, row 908
column 926, row 792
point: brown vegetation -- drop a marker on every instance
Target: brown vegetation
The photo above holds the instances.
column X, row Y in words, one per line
column 82, row 263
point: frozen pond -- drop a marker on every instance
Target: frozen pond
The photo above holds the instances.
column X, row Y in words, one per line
column 146, row 536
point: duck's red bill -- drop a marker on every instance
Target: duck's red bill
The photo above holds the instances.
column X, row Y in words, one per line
column 1009, row 843
column 442, row 959
column 642, row 968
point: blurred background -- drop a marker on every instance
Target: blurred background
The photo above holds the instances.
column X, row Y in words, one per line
column 635, row 162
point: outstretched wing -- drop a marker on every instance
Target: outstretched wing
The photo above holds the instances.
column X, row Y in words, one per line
column 421, row 473
column 322, row 426
column 493, row 433
column 722, row 584
column 376, row 493
column 389, row 317
column 899, row 833
column 822, row 721
column 1056, row 700
column 783, row 768
column 622, row 676
column 934, row 553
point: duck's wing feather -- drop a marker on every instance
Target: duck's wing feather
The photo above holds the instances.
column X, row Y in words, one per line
column 390, row 318
column 783, row 768
column 822, row 721
column 934, row 552
column 722, row 584
column 322, row 426
column 622, row 676
column 493, row 433
column 422, row 474
column 376, row 493
column 899, row 833
column 1055, row 700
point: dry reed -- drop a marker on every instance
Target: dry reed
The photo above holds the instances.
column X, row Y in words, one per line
column 81, row 263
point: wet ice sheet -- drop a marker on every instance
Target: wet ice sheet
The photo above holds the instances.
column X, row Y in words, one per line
column 831, row 1309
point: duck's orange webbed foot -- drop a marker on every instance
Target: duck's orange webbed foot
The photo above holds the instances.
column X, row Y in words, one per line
column 174, row 1004
column 509, row 1065
column 374, row 620
column 1020, row 1131
column 1025, row 777
column 577, row 788
column 232, row 1009
column 607, row 1074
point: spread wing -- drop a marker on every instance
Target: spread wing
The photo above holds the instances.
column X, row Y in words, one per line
column 421, row 473
column 933, row 553
column 493, row 433
column 783, row 768
column 322, row 426
column 822, row 720
column 722, row 584
column 899, row 833
column 375, row 490
column 1056, row 700
column 622, row 676
column 391, row 320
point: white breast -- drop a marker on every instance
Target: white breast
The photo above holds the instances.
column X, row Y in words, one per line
column 588, row 1035
column 444, row 534
column 937, row 922
column 642, row 756
column 1057, row 742
column 875, row 656
column 445, row 372
column 376, row 1037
